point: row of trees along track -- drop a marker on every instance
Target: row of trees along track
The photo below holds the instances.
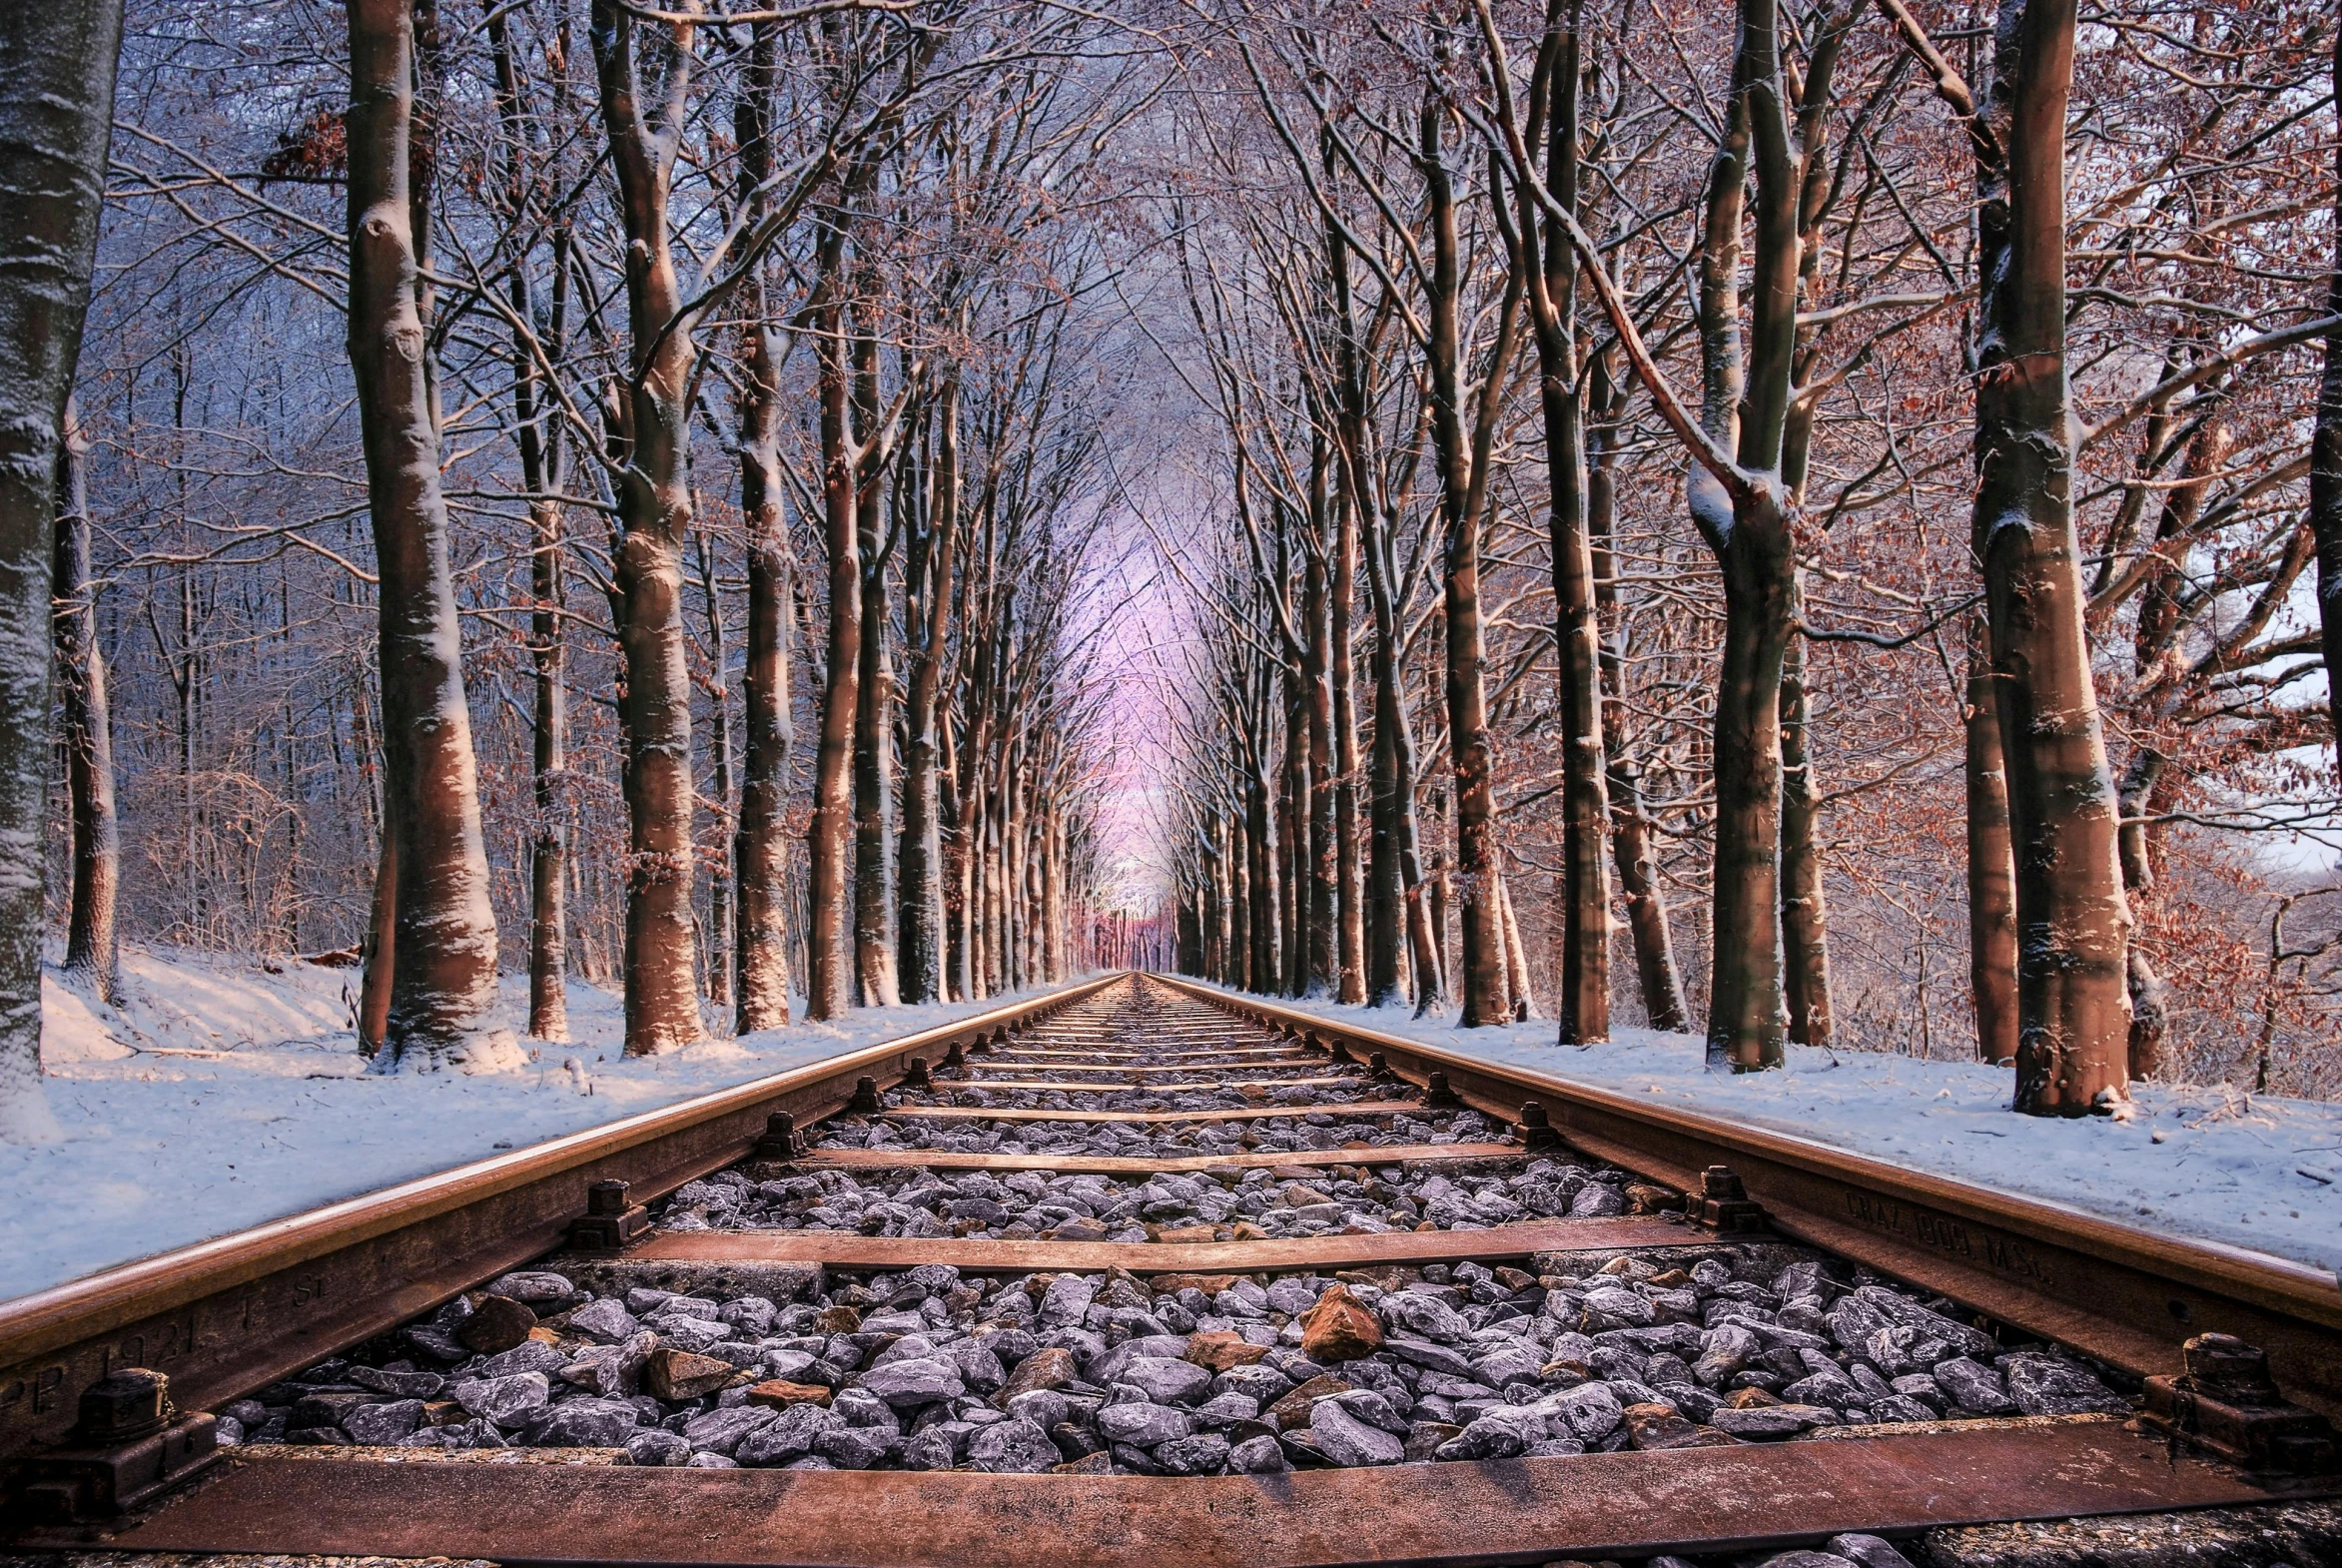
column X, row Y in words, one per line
column 1878, row 230
column 1968, row 413
column 584, row 227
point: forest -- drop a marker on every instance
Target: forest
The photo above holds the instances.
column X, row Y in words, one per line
column 1801, row 524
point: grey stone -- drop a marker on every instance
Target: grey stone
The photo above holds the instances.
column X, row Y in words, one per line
column 787, row 1436
column 857, row 1447
column 1961, row 1336
column 1423, row 1316
column 399, row 1385
column 590, row 1423
column 535, row 1287
column 918, row 1381
column 2052, row 1386
column 1014, row 1447
column 649, row 1445
column 1348, row 1440
column 1163, row 1380
column 382, row 1424
column 1590, row 1410
column 861, row 1408
column 1867, row 1550
column 1142, row 1425
column 1895, row 1408
column 1371, row 1407
column 932, row 1449
column 1258, row 1456
column 1203, row 1454
column 1068, row 1299
column 1976, row 1389
column 512, row 1400
column 531, row 1356
column 1597, row 1201
column 1724, row 1350
column 720, row 1431
column 605, row 1321
column 1517, row 1361
column 1771, row 1420
column 1429, row 1357
column 1044, row 1407
column 707, row 1459
column 1500, row 1433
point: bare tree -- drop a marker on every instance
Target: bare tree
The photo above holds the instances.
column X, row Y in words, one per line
column 88, row 725
column 442, row 1000
column 2073, row 921
column 56, row 118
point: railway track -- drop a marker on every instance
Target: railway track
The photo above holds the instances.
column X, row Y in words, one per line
column 1143, row 1272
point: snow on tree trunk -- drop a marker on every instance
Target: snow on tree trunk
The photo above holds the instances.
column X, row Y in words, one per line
column 442, row 1002
column 56, row 119
column 2073, row 921
column 645, row 74
column 89, row 742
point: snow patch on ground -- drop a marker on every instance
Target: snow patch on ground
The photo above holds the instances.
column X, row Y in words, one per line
column 2250, row 1171
column 222, row 1092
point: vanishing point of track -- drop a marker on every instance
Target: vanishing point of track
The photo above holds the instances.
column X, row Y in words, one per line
column 1221, row 1150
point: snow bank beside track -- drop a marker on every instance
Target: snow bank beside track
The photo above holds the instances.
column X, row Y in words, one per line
column 224, row 1093
column 2250, row 1171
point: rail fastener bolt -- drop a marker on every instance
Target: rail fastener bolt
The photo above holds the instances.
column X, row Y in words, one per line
column 915, row 1076
column 2227, row 1402
column 609, row 1221
column 1535, row 1128
column 130, row 1445
column 865, row 1102
column 1722, row 1204
column 1438, row 1097
column 781, row 1140
column 955, row 1057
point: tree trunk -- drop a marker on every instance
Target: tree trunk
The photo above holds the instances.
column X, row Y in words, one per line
column 544, row 475
column 2325, row 459
column 830, row 841
column 644, row 75
column 1324, row 891
column 1630, row 823
column 1549, row 274
column 442, row 998
column 1349, row 890
column 929, row 603
column 874, row 721
column 56, row 123
column 1293, row 794
column 381, row 937
column 2073, row 923
column 1746, row 1025
column 761, row 846
column 1991, row 875
column 1803, row 911
column 88, row 725
column 760, row 852
column 720, row 940
column 1464, row 490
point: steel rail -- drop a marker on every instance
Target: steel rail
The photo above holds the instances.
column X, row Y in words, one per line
column 226, row 1317
column 1743, row 1498
column 2127, row 1297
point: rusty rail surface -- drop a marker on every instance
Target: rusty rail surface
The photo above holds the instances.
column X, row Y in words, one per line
column 1745, row 1498
column 2127, row 1297
column 229, row 1316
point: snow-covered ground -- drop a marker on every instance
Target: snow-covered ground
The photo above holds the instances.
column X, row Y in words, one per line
column 224, row 1091
column 2252, row 1170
